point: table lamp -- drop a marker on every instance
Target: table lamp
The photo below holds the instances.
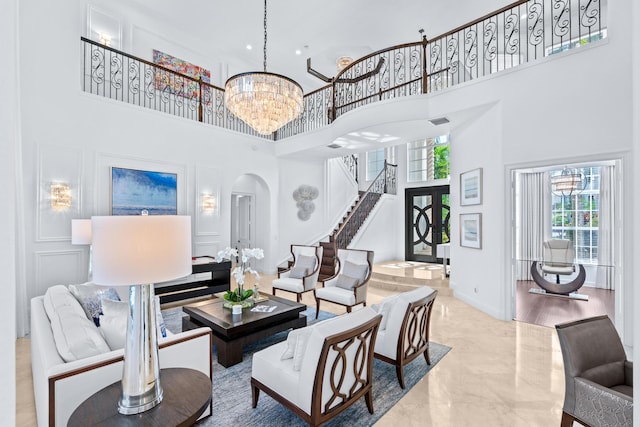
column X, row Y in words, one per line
column 137, row 251
column 81, row 235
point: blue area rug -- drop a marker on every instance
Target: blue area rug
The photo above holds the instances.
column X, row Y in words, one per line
column 232, row 390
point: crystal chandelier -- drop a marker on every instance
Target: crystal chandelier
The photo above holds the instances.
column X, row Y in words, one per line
column 264, row 101
column 567, row 182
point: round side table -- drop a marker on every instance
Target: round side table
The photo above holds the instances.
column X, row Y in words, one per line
column 187, row 393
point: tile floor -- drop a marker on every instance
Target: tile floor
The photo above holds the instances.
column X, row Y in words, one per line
column 497, row 374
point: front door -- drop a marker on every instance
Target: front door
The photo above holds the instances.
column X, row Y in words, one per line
column 426, row 222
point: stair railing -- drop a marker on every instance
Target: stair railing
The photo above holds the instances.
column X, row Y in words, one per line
column 385, row 182
column 351, row 162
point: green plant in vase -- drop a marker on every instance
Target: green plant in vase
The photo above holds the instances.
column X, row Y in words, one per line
column 240, row 296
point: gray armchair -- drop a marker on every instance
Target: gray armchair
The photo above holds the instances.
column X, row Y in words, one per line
column 598, row 376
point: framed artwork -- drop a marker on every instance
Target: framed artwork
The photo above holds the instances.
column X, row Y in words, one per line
column 133, row 191
column 178, row 86
column 471, row 187
column 471, row 230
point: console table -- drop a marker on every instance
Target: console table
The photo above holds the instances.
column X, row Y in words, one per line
column 219, row 279
column 187, row 393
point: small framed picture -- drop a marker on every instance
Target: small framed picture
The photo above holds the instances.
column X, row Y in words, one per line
column 471, row 187
column 471, row 230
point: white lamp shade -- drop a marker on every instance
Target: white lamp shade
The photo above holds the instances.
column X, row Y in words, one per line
column 136, row 250
column 80, row 231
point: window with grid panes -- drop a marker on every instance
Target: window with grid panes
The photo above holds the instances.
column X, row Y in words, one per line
column 428, row 159
column 576, row 217
column 375, row 163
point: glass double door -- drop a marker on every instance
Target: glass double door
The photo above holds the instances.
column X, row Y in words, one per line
column 427, row 216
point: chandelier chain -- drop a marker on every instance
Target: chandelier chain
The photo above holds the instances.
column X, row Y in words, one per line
column 265, row 36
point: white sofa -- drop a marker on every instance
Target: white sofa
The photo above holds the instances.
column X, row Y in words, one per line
column 322, row 369
column 60, row 387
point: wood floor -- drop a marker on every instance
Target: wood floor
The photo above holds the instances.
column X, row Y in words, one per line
column 549, row 310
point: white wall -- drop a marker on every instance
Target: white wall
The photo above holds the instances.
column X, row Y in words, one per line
column 293, row 230
column 375, row 234
column 9, row 146
column 635, row 178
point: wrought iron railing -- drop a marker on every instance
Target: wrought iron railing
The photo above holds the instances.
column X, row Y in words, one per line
column 351, row 162
column 385, row 182
column 117, row 75
column 519, row 33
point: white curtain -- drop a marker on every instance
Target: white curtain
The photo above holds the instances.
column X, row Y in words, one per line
column 606, row 272
column 533, row 220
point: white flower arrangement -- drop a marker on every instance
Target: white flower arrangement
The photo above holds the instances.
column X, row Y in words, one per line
column 243, row 267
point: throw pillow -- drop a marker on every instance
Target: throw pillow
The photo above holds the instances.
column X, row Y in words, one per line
column 346, row 282
column 359, row 271
column 292, row 338
column 113, row 323
column 75, row 336
column 298, row 272
column 298, row 352
column 307, row 262
column 90, row 297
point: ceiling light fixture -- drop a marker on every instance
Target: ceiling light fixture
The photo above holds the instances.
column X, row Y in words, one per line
column 567, row 182
column 264, row 101
column 343, row 62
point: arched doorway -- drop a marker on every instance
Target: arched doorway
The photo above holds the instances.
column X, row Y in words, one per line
column 250, row 215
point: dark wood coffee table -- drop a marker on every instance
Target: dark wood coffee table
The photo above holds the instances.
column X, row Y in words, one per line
column 232, row 332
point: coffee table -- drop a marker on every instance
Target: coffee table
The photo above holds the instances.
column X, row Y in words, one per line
column 232, row 332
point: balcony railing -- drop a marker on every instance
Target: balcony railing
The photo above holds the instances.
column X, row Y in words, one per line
column 519, row 33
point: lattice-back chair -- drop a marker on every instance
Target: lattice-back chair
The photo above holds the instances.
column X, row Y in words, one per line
column 349, row 286
column 302, row 276
column 320, row 370
column 404, row 331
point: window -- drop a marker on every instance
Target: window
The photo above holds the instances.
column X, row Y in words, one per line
column 375, row 163
column 428, row 159
column 576, row 217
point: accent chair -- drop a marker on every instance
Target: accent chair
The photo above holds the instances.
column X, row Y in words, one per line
column 302, row 276
column 404, row 329
column 320, row 370
column 349, row 286
column 598, row 377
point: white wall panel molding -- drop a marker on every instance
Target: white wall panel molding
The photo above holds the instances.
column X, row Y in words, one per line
column 209, row 248
column 207, row 222
column 57, row 165
column 56, row 267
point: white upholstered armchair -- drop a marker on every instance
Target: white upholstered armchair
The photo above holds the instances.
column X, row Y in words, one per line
column 558, row 258
column 349, row 286
column 322, row 369
column 404, row 330
column 302, row 276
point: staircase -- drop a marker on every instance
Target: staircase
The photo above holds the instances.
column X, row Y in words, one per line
column 350, row 224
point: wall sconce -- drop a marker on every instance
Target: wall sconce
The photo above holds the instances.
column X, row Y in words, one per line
column 60, row 196
column 104, row 38
column 209, row 204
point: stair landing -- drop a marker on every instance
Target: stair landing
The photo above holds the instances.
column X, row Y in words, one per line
column 402, row 276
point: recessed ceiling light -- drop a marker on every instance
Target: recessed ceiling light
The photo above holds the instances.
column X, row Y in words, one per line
column 249, row 47
column 298, row 51
column 334, row 145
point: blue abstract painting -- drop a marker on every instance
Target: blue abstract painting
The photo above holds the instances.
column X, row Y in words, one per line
column 134, row 191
